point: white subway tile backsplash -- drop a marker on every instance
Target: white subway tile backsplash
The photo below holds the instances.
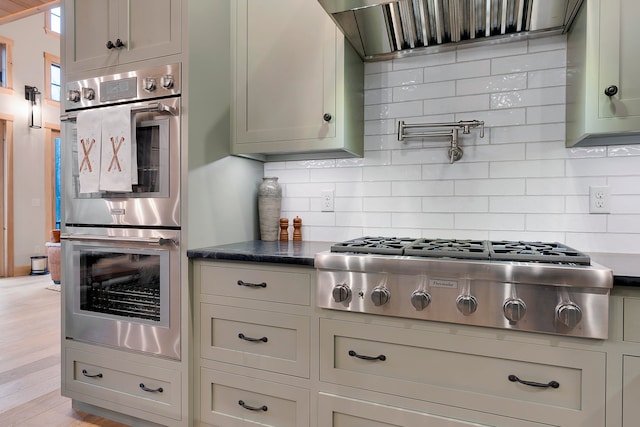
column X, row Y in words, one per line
column 490, row 221
column 424, row 91
column 501, row 83
column 421, row 220
column 527, row 204
column 529, row 62
column 461, row 70
column 567, row 222
column 392, row 204
column 524, row 169
column 547, row 78
column 456, row 105
column 489, row 187
column 519, row 182
column 455, row 204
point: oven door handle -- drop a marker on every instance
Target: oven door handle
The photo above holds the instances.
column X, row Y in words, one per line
column 155, row 107
column 155, row 241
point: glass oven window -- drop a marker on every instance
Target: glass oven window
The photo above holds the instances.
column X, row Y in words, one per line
column 152, row 157
column 123, row 284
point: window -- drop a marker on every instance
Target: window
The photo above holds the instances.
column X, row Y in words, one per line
column 52, row 78
column 6, row 65
column 52, row 24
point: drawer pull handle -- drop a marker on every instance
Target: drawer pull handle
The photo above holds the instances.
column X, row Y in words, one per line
column 252, row 408
column 252, row 285
column 552, row 384
column 360, row 356
column 243, row 337
column 151, row 390
column 86, row 374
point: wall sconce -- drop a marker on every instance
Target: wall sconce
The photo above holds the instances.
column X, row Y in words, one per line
column 34, row 97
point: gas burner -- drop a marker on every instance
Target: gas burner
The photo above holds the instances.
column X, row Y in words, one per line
column 536, row 252
column 471, row 249
column 374, row 245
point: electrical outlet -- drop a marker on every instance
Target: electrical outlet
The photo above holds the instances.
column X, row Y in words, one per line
column 326, row 202
column 599, row 199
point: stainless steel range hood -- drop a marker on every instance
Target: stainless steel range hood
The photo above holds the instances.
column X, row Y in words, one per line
column 383, row 29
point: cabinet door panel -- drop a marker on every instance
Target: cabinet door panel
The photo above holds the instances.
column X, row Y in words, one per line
column 619, row 60
column 90, row 25
column 152, row 29
column 630, row 391
column 286, row 71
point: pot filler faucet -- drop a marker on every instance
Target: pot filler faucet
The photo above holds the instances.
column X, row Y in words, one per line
column 455, row 151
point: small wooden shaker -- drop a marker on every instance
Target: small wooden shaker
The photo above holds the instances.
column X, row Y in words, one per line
column 284, row 229
column 297, row 233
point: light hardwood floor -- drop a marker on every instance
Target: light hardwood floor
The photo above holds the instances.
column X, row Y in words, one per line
column 30, row 358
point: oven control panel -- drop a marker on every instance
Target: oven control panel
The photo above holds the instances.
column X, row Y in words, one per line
column 137, row 85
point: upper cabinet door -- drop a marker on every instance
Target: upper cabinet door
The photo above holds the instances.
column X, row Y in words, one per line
column 88, row 26
column 619, row 59
column 603, row 91
column 286, row 71
column 101, row 33
column 293, row 72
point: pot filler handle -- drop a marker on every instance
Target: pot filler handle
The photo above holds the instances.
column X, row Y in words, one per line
column 157, row 241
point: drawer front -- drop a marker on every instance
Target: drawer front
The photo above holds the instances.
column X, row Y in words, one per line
column 473, row 372
column 256, row 283
column 271, row 341
column 234, row 400
column 122, row 382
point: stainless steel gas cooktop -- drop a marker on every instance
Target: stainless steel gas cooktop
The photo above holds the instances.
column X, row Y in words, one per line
column 530, row 286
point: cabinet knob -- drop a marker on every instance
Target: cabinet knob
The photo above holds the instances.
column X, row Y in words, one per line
column 110, row 45
column 119, row 43
column 611, row 90
column 326, row 117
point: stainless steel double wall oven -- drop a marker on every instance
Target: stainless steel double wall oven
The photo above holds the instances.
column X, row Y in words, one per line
column 121, row 249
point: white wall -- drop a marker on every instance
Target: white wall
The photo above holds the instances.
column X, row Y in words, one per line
column 519, row 182
column 30, row 43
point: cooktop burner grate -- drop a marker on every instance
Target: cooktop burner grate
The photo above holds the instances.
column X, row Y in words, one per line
column 536, row 251
column 470, row 249
column 502, row 250
column 374, row 245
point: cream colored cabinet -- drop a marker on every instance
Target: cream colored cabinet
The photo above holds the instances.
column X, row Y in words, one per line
column 104, row 33
column 297, row 84
column 253, row 344
column 139, row 386
column 518, row 384
column 603, row 91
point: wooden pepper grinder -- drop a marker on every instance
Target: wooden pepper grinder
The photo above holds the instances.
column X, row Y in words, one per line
column 297, row 233
column 284, row 229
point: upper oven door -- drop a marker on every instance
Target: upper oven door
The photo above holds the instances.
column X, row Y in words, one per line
column 154, row 199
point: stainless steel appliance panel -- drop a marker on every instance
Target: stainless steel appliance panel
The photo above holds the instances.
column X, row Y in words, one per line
column 122, row 288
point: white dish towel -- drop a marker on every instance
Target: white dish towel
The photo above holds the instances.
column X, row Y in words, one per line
column 89, row 140
column 117, row 148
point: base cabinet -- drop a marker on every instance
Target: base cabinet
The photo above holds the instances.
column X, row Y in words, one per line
column 135, row 385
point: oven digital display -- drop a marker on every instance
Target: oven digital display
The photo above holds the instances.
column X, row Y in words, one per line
column 118, row 89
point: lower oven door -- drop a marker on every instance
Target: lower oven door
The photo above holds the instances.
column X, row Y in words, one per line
column 122, row 288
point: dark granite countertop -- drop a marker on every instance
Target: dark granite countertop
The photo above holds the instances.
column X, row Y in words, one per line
column 298, row 253
column 626, row 267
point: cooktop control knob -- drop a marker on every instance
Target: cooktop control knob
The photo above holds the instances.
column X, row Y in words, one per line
column 88, row 93
column 341, row 293
column 568, row 314
column 73, row 96
column 420, row 300
column 167, row 81
column 514, row 309
column 380, row 296
column 149, row 84
column 467, row 304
